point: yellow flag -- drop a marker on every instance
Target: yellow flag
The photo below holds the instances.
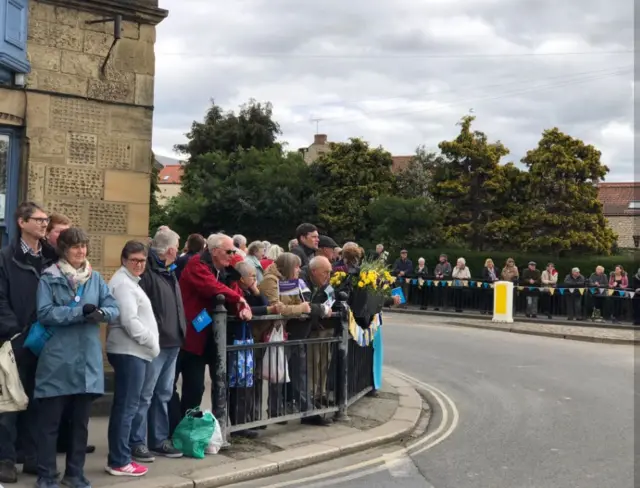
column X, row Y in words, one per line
column 581, row 290
column 551, row 291
column 449, row 283
column 520, row 288
column 491, row 285
column 610, row 292
column 420, row 281
column 479, row 285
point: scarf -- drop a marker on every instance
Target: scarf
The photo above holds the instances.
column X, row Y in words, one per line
column 75, row 277
column 293, row 287
column 492, row 274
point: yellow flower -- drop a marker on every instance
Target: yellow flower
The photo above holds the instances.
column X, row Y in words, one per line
column 385, row 287
column 360, row 284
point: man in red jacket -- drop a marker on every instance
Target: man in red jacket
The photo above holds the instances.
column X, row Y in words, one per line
column 202, row 279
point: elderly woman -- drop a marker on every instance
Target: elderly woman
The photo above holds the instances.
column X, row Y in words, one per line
column 255, row 252
column 461, row 275
column 132, row 343
column 271, row 255
column 72, row 301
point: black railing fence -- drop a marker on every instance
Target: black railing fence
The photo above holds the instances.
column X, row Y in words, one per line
column 563, row 300
column 317, row 370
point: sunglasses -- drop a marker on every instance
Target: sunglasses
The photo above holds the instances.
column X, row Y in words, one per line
column 230, row 252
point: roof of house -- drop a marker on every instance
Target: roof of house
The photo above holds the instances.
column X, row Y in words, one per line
column 400, row 163
column 171, row 174
column 616, row 197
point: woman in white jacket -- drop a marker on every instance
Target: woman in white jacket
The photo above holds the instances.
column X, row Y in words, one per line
column 132, row 343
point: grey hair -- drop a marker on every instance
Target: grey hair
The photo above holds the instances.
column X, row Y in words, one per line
column 421, row 259
column 245, row 269
column 164, row 239
column 463, row 260
column 292, row 243
column 266, row 245
column 380, row 245
column 215, row 240
column 254, row 247
column 286, row 262
column 318, row 261
column 239, row 240
column 274, row 252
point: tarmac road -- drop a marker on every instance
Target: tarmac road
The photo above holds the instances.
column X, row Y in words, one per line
column 534, row 412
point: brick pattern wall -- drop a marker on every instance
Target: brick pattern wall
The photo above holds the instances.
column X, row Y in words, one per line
column 89, row 159
column 626, row 227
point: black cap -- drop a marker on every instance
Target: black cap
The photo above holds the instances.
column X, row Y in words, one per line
column 326, row 241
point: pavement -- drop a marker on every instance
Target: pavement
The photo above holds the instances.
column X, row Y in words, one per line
column 388, row 417
column 532, row 412
column 579, row 331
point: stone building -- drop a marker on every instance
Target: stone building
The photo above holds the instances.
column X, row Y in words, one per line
column 76, row 108
column 621, row 202
column 169, row 182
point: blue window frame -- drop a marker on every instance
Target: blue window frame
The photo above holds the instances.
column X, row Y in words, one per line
column 10, row 143
column 13, row 35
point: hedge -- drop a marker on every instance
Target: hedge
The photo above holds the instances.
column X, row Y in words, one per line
column 475, row 260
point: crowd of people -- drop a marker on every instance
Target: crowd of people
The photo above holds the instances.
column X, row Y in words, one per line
column 151, row 304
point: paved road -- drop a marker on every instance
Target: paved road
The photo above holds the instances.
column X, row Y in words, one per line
column 535, row 412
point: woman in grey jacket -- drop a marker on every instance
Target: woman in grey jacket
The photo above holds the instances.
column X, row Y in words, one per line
column 132, row 343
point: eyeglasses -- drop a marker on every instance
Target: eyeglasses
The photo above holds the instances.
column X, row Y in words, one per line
column 40, row 220
column 137, row 261
column 230, row 252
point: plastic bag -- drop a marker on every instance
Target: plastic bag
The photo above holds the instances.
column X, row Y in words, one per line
column 241, row 367
column 193, row 433
column 274, row 361
column 215, row 444
column 12, row 395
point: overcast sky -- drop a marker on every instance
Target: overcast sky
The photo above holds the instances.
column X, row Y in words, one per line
column 401, row 73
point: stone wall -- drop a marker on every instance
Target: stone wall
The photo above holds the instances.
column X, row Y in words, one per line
column 91, row 158
column 165, row 192
column 626, row 227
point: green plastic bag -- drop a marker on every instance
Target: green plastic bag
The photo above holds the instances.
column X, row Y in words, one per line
column 193, row 433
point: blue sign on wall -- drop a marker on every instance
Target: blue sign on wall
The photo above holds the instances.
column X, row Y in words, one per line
column 14, row 21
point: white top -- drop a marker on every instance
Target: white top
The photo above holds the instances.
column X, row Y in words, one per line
column 136, row 331
column 461, row 274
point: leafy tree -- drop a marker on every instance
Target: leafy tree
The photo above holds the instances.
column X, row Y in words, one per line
column 226, row 132
column 347, row 179
column 468, row 182
column 261, row 193
column 411, row 222
column 414, row 180
column 563, row 211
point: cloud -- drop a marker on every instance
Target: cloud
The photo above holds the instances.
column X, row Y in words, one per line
column 401, row 73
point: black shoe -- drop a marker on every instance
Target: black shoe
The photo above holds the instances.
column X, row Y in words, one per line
column 247, row 434
column 8, row 472
column 316, row 420
column 63, row 450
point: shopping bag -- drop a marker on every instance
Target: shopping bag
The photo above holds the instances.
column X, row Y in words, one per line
column 215, row 444
column 12, row 395
column 274, row 362
column 193, row 433
column 241, row 362
column 39, row 335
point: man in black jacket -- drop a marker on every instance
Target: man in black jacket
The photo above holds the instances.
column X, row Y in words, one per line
column 21, row 263
column 160, row 284
column 308, row 240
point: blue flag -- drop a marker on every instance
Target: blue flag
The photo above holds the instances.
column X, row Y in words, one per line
column 201, row 321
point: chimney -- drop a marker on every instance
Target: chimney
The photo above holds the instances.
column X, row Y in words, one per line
column 320, row 139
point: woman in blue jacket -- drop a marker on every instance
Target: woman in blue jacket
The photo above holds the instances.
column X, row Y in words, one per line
column 72, row 302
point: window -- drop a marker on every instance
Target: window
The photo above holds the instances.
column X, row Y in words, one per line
column 634, row 204
column 13, row 36
column 165, row 178
column 9, row 170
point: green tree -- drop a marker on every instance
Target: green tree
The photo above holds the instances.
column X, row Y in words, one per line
column 261, row 193
column 411, row 222
column 414, row 180
column 563, row 211
column 468, row 183
column 157, row 213
column 347, row 179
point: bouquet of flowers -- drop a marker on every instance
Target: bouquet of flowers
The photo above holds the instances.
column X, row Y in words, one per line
column 368, row 286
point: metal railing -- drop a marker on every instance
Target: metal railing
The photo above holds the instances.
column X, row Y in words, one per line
column 318, row 370
column 599, row 304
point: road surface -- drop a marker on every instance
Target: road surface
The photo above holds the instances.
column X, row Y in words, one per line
column 534, row 412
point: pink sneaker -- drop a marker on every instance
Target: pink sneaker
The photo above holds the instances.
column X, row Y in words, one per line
column 131, row 469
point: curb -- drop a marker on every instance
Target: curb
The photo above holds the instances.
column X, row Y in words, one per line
column 403, row 421
column 558, row 335
column 527, row 320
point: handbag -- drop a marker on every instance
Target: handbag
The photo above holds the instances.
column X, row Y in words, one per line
column 241, row 367
column 12, row 395
column 39, row 335
column 274, row 363
column 193, row 433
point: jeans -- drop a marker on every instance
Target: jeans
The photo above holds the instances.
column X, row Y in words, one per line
column 20, row 429
column 79, row 407
column 532, row 305
column 130, row 373
column 154, row 401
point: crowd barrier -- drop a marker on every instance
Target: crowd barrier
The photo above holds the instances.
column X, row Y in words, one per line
column 320, row 369
column 563, row 300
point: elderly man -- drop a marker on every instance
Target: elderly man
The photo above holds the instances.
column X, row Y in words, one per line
column 160, row 283
column 206, row 276
column 574, row 299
